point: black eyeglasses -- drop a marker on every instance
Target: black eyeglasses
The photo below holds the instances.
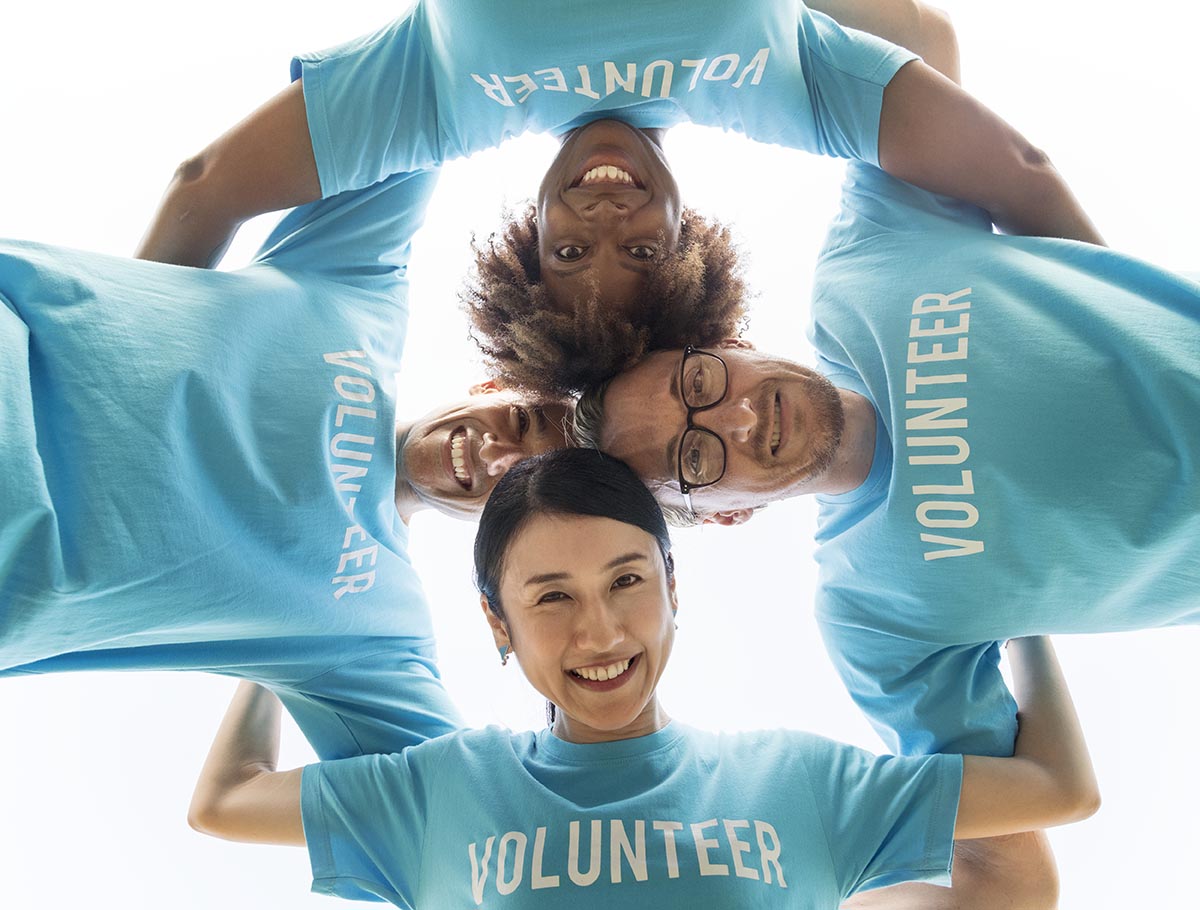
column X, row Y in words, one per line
column 703, row 383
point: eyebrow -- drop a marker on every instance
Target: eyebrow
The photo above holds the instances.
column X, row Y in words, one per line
column 641, row 266
column 673, row 442
column 632, row 556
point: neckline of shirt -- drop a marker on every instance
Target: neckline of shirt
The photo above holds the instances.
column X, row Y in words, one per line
column 618, row 750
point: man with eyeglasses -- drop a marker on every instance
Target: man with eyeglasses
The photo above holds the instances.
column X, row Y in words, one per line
column 1004, row 436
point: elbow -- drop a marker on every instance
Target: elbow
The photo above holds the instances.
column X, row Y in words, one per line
column 1085, row 802
column 938, row 42
column 204, row 816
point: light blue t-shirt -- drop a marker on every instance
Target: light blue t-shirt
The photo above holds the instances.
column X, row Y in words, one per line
column 1037, row 459
column 198, row 470
column 679, row 818
column 456, row 76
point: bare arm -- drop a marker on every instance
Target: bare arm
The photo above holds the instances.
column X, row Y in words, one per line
column 240, row 796
column 263, row 164
column 1049, row 779
column 907, row 23
column 936, row 136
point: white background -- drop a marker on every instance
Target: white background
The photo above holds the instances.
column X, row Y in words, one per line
column 98, row 102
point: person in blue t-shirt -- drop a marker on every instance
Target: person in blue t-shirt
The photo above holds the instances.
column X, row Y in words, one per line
column 610, row 245
column 1001, row 432
column 205, row 470
column 616, row 801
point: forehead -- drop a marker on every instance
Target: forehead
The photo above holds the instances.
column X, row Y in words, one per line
column 643, row 416
column 571, row 545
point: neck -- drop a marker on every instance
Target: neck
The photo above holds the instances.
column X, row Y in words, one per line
column 652, row 719
column 407, row 501
column 856, row 451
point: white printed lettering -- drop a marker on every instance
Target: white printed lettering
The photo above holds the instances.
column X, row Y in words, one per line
column 508, row 884
column 961, row 449
column 635, row 854
column 770, row 855
column 703, row 845
column 934, row 422
column 593, row 873
column 756, row 65
column 479, row 870
column 494, row 89
column 668, row 71
column 555, row 82
column 668, row 830
column 962, row 547
column 738, row 847
column 537, row 879
column 970, row 514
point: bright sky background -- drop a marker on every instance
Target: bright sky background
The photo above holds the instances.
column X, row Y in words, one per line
column 99, row 101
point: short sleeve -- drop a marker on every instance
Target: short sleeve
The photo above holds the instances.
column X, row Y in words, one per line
column 359, row 237
column 372, row 106
column 887, row 819
column 874, row 203
column 845, row 72
column 357, row 851
column 924, row 699
column 380, row 703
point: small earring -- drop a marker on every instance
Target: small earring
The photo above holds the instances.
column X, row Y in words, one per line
column 504, row 655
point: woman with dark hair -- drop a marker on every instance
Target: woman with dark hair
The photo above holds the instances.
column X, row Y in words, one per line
column 615, row 800
column 609, row 263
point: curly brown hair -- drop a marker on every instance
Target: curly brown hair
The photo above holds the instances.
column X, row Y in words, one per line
column 695, row 295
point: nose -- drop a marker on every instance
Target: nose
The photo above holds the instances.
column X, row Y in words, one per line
column 738, row 420
column 598, row 628
column 499, row 455
column 604, row 210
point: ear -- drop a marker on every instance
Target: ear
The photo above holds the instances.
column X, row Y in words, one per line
column 488, row 387
column 674, row 595
column 739, row 344
column 499, row 630
column 731, row 517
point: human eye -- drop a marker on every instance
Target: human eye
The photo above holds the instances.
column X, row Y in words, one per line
column 693, row 460
column 551, row 597
column 569, row 252
column 643, row 252
column 628, row 580
column 694, row 382
column 522, row 418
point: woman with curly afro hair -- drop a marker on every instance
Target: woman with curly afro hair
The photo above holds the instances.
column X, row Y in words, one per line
column 619, row 268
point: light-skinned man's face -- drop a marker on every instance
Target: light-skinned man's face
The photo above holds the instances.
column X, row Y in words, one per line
column 608, row 208
column 780, row 423
column 451, row 458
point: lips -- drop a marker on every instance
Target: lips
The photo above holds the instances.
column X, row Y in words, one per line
column 604, row 677
column 608, row 168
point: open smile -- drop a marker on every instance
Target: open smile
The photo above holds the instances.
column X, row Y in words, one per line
column 604, row 677
column 457, row 458
column 776, row 425
column 607, row 168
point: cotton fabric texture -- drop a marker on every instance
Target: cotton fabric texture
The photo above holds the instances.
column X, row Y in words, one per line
column 1036, row 459
column 457, row 76
column 679, row 818
column 199, row 470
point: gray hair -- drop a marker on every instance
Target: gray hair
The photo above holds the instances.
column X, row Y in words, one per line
column 587, row 426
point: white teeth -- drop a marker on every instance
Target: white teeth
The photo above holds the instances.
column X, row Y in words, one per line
column 778, row 431
column 599, row 674
column 457, row 459
column 606, row 173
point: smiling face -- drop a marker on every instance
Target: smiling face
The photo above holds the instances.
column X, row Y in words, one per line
column 781, row 424
column 589, row 614
column 608, row 208
column 451, row 458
